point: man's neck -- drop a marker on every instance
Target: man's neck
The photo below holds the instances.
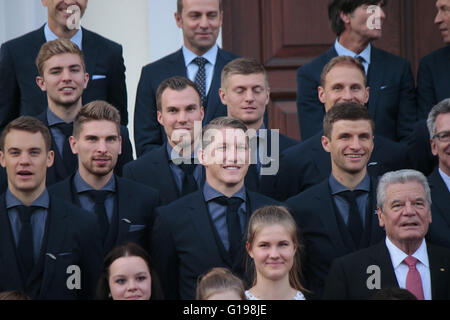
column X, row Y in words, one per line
column 67, row 114
column 184, row 152
column 226, row 189
column 95, row 181
column 61, row 31
column 349, row 180
column 255, row 125
column 28, row 197
column 408, row 247
column 353, row 43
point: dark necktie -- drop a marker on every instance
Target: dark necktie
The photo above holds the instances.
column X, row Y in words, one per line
column 233, row 224
column 200, row 78
column 188, row 183
column 99, row 197
column 354, row 224
column 70, row 159
column 25, row 246
column 360, row 59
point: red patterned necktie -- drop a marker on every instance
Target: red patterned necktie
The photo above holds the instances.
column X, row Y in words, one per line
column 413, row 279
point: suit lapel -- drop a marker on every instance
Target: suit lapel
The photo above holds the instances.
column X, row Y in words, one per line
column 322, row 159
column 8, row 257
column 375, row 80
column 213, row 100
column 177, row 64
column 440, row 194
column 91, row 53
column 326, row 212
column 124, row 198
column 38, row 39
column 382, row 259
column 204, row 229
column 163, row 172
column 438, row 274
column 56, row 232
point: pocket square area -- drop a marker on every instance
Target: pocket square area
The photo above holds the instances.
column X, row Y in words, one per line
column 136, row 227
column 98, row 76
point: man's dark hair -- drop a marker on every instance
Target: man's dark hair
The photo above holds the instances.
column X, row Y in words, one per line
column 393, row 294
column 28, row 124
column 335, row 7
column 345, row 111
column 177, row 84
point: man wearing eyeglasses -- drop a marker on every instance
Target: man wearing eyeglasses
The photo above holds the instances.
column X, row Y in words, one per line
column 439, row 126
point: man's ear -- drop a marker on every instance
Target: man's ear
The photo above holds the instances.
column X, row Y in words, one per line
column 41, row 83
column 326, row 144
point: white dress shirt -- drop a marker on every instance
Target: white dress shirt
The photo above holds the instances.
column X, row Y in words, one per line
column 192, row 67
column 343, row 51
column 77, row 37
column 446, row 179
column 401, row 269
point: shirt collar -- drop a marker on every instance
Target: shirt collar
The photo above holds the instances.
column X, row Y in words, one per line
column 446, row 178
column 83, row 186
column 337, row 187
column 210, row 193
column 397, row 255
column 53, row 119
column 343, row 51
column 177, row 158
column 210, row 55
column 77, row 38
column 42, row 201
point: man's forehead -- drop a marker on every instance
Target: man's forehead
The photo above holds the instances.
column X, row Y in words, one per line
column 21, row 139
column 347, row 72
column 99, row 127
column 200, row 5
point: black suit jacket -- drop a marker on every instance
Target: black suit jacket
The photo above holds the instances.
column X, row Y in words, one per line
column 419, row 149
column 185, row 246
column 265, row 184
column 439, row 232
column 433, row 77
column 134, row 210
column 148, row 133
column 392, row 101
column 20, row 95
column 153, row 170
column 315, row 215
column 308, row 164
column 70, row 240
column 348, row 275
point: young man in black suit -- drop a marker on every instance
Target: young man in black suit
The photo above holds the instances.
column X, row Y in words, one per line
column 404, row 259
column 392, row 101
column 123, row 208
column 172, row 168
column 43, row 240
column 200, row 60
column 343, row 80
column 439, row 179
column 206, row 229
column 338, row 215
column 19, row 94
column 245, row 91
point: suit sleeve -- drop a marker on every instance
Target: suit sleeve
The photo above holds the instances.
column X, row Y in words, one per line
column 335, row 284
column 426, row 98
column 9, row 88
column 117, row 89
column 407, row 113
column 163, row 252
column 147, row 132
column 310, row 110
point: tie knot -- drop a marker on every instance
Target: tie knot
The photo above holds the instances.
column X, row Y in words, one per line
column 98, row 196
column 233, row 202
column 360, row 59
column 65, row 128
column 25, row 213
column 350, row 196
column 410, row 261
column 200, row 61
column 187, row 168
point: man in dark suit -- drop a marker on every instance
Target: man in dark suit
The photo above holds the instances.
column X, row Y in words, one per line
column 19, row 94
column 343, row 80
column 392, row 101
column 206, row 229
column 245, row 91
column 337, row 216
column 200, row 22
column 439, row 179
column 48, row 247
column 434, row 69
column 123, row 208
column 173, row 168
column 404, row 259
